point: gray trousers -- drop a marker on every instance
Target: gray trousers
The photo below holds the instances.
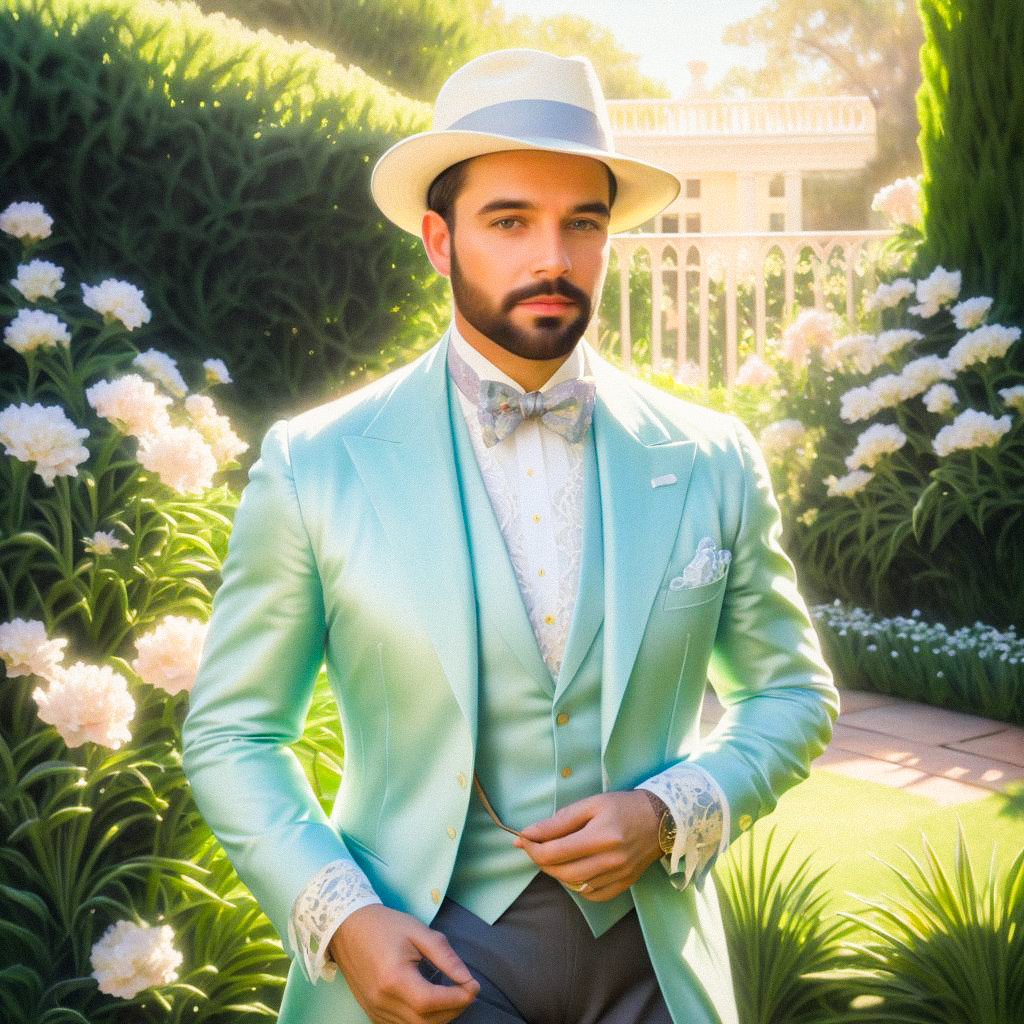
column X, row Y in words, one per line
column 540, row 964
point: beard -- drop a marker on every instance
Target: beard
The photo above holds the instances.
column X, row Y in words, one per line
column 548, row 338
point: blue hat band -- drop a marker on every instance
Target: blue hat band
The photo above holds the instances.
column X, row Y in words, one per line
column 547, row 119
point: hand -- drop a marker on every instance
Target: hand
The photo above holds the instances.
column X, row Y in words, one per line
column 378, row 949
column 607, row 840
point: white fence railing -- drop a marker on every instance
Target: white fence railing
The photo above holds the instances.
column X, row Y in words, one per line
column 720, row 264
column 831, row 115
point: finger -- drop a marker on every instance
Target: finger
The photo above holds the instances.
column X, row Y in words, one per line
column 426, row 998
column 587, row 842
column 567, row 820
column 437, row 949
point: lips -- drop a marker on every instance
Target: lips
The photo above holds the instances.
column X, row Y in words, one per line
column 545, row 303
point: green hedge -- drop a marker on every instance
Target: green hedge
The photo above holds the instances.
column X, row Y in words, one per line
column 227, row 170
column 971, row 110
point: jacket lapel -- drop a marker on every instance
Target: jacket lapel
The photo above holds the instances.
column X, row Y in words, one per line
column 639, row 521
column 406, row 462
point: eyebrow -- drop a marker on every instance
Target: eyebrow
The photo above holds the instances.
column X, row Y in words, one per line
column 521, row 204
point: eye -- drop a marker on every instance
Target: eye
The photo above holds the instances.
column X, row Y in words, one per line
column 505, row 223
column 584, row 224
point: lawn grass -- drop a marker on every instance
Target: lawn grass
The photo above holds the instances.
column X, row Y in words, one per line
column 843, row 822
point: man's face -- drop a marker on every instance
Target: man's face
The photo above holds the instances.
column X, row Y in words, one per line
column 529, row 250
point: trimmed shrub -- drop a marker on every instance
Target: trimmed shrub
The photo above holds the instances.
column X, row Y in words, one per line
column 228, row 168
column 971, row 110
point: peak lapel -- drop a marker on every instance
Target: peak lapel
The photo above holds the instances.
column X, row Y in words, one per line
column 406, row 461
column 639, row 522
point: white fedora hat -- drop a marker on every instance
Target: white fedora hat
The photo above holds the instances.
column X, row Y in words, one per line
column 510, row 100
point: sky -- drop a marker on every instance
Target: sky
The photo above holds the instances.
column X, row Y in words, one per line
column 666, row 34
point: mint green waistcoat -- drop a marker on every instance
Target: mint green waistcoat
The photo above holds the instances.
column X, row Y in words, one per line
column 529, row 765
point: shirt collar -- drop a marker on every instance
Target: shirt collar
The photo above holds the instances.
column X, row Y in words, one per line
column 574, row 366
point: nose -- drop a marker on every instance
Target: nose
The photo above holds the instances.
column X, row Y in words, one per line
column 551, row 257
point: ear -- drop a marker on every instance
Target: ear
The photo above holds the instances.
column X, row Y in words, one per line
column 437, row 241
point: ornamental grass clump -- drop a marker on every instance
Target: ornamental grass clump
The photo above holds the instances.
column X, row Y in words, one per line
column 781, row 943
column 112, row 535
column 950, row 951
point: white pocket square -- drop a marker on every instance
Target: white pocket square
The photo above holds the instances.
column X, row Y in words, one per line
column 708, row 564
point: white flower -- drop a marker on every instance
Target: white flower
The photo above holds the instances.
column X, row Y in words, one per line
column 87, row 702
column 971, row 313
column 755, row 373
column 1013, row 397
column 689, row 375
column 168, row 655
column 777, row 438
column 920, row 374
column 844, row 486
column 27, row 221
column 38, row 279
column 860, row 349
column 971, row 429
column 43, row 434
column 102, row 543
column 859, row 404
column 117, row 300
column 129, row 958
column 27, row 651
column 988, row 342
column 878, row 440
column 940, row 287
column 813, row 328
column 132, row 404
column 180, row 458
column 900, row 201
column 890, row 389
column 892, row 341
column 886, row 296
column 163, row 369
column 216, row 371
column 215, row 428
column 940, row 398
column 33, row 328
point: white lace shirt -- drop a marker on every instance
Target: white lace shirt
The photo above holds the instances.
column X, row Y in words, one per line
column 534, row 478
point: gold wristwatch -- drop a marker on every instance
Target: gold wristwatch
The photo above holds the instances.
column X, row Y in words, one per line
column 666, row 823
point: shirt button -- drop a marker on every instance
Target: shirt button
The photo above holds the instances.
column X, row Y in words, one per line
column 562, row 718
column 462, row 779
column 745, row 821
column 451, row 832
column 549, row 619
column 529, row 472
column 435, row 895
column 536, row 519
column 566, row 772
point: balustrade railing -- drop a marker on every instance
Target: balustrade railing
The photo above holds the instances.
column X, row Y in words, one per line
column 830, row 115
column 830, row 268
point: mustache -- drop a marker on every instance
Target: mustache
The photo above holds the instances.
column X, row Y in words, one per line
column 559, row 286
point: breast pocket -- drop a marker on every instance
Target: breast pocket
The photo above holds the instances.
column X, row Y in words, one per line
column 678, row 596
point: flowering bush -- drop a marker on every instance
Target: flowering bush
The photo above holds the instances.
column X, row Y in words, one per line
column 112, row 533
column 898, row 451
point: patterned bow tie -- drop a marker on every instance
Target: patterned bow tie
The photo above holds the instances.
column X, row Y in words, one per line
column 566, row 408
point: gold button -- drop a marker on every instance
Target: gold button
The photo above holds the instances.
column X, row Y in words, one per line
column 745, row 821
column 435, row 895
column 462, row 779
column 549, row 619
column 536, row 519
column 529, row 472
column 566, row 772
column 562, row 718
column 451, row 832
column 540, row 571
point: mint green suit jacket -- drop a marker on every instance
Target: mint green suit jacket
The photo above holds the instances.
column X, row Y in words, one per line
column 349, row 545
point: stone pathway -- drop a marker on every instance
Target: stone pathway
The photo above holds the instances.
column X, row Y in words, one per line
column 947, row 756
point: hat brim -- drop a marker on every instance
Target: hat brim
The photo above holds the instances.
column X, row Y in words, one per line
column 403, row 174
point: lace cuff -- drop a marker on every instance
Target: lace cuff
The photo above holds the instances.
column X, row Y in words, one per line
column 335, row 891
column 700, row 811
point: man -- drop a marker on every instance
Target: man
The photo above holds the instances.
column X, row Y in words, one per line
column 521, row 565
